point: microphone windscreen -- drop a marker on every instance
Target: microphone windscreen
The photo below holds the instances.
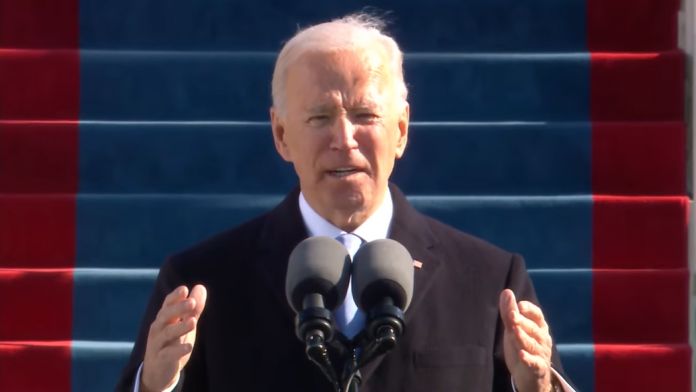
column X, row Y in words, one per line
column 382, row 269
column 318, row 265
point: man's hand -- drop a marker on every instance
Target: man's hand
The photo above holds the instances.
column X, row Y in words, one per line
column 171, row 338
column 527, row 344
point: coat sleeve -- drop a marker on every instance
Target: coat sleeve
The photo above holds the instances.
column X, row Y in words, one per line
column 191, row 377
column 520, row 283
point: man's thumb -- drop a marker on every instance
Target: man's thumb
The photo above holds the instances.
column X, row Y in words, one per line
column 508, row 306
column 200, row 294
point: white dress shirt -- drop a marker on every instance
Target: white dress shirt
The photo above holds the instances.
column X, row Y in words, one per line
column 374, row 228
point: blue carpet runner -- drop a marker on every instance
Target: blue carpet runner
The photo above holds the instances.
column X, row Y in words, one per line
column 131, row 129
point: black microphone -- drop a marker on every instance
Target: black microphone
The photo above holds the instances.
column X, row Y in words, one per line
column 316, row 284
column 383, row 276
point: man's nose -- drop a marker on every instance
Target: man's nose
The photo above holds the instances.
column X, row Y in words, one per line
column 343, row 134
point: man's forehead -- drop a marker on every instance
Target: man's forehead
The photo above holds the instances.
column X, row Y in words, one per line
column 337, row 71
column 344, row 62
column 332, row 102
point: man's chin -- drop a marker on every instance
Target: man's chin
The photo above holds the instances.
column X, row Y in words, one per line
column 350, row 197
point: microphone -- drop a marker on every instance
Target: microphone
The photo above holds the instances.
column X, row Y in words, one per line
column 316, row 284
column 383, row 275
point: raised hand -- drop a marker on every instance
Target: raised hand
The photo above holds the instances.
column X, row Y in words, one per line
column 171, row 338
column 527, row 344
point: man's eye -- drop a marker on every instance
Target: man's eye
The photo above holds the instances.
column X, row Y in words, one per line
column 367, row 117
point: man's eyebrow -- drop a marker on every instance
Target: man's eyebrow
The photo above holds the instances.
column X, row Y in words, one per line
column 366, row 105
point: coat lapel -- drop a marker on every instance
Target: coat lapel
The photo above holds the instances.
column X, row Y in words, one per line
column 410, row 228
column 283, row 230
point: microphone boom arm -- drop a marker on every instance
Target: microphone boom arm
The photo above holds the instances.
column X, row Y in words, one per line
column 313, row 326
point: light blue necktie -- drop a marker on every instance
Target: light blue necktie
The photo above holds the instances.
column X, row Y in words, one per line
column 349, row 319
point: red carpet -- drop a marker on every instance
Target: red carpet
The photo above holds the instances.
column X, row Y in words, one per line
column 39, row 79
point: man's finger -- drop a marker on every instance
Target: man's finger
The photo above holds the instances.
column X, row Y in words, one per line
column 173, row 333
column 200, row 294
column 534, row 313
column 172, row 313
column 535, row 325
column 526, row 342
column 532, row 329
column 178, row 293
column 531, row 345
column 178, row 310
column 508, row 308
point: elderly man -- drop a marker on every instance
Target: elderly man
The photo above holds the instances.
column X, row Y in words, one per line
column 218, row 319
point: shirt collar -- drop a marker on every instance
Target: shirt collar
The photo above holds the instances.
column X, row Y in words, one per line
column 375, row 227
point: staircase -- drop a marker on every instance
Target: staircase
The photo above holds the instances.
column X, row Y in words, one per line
column 131, row 129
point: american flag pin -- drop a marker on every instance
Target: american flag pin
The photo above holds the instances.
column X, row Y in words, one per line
column 417, row 264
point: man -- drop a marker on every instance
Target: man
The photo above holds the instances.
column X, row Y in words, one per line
column 218, row 319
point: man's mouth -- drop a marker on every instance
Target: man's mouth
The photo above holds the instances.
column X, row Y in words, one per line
column 344, row 171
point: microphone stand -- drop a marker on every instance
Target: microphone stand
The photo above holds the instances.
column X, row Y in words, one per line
column 351, row 373
column 384, row 326
column 353, row 383
column 314, row 326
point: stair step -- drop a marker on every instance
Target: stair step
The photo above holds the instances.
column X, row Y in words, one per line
column 513, row 158
column 139, row 231
column 130, row 85
column 581, row 306
column 20, row 363
column 446, row 25
column 448, row 87
column 96, row 366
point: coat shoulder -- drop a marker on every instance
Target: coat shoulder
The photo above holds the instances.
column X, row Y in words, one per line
column 206, row 256
column 464, row 247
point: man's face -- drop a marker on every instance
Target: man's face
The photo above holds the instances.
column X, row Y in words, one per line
column 343, row 129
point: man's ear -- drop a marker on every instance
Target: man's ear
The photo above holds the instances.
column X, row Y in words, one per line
column 402, row 136
column 278, row 128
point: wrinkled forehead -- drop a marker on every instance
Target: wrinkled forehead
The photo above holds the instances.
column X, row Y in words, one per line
column 354, row 74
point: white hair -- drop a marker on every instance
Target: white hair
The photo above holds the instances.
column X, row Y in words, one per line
column 355, row 31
